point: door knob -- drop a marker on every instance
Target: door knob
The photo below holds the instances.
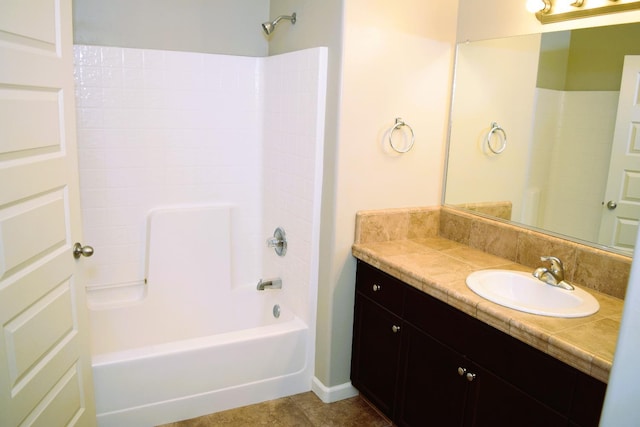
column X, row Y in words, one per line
column 611, row 205
column 79, row 250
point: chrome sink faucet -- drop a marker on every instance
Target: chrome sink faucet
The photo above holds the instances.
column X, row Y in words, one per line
column 554, row 275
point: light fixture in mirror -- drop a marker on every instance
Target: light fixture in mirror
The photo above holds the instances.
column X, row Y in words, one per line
column 557, row 96
column 538, row 6
column 548, row 11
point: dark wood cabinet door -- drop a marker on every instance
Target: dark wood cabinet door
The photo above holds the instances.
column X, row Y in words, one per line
column 588, row 401
column 495, row 402
column 432, row 392
column 376, row 349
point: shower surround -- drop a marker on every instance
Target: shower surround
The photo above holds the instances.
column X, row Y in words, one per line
column 164, row 129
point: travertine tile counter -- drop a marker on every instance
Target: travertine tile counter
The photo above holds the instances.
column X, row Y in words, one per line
column 439, row 266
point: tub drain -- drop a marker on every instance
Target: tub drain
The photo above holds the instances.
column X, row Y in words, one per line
column 276, row 311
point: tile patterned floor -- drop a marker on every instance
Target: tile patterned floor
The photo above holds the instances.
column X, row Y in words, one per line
column 301, row 410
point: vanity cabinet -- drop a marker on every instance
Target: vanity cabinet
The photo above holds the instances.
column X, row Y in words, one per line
column 423, row 362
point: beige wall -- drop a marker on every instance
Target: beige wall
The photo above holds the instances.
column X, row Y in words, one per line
column 211, row 26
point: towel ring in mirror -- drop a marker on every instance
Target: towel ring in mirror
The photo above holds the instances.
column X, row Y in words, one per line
column 496, row 128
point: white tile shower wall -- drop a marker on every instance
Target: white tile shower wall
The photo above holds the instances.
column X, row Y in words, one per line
column 579, row 162
column 159, row 128
column 294, row 105
column 545, row 132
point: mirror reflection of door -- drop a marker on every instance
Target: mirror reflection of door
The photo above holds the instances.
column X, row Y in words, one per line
column 621, row 206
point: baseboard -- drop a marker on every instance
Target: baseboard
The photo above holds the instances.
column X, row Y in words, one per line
column 332, row 394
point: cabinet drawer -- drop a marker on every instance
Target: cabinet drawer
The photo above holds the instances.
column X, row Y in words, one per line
column 380, row 287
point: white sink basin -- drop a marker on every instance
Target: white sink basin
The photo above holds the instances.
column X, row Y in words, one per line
column 521, row 291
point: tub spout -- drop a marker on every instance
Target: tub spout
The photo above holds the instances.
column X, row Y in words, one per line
column 269, row 284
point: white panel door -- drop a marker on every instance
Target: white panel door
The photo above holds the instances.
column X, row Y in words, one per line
column 45, row 368
column 621, row 206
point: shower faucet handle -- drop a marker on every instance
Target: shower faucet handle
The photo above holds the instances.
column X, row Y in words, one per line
column 272, row 242
column 278, row 241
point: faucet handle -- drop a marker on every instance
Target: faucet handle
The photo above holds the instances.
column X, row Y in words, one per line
column 278, row 241
column 552, row 259
column 557, row 268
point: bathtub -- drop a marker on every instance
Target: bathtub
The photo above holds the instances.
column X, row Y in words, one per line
column 166, row 382
column 185, row 343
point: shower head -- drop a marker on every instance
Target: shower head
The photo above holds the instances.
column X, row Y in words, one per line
column 268, row 27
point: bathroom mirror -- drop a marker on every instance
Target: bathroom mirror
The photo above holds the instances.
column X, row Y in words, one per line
column 537, row 137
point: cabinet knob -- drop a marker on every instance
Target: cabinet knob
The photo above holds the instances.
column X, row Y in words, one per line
column 471, row 376
column 376, row 287
column 395, row 329
column 461, row 371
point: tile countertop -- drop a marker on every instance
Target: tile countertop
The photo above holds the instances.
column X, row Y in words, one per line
column 438, row 267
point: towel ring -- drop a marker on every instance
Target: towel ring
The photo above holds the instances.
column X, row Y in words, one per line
column 398, row 125
column 496, row 128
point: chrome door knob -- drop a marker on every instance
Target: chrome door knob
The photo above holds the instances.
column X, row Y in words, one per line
column 79, row 250
column 611, row 205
